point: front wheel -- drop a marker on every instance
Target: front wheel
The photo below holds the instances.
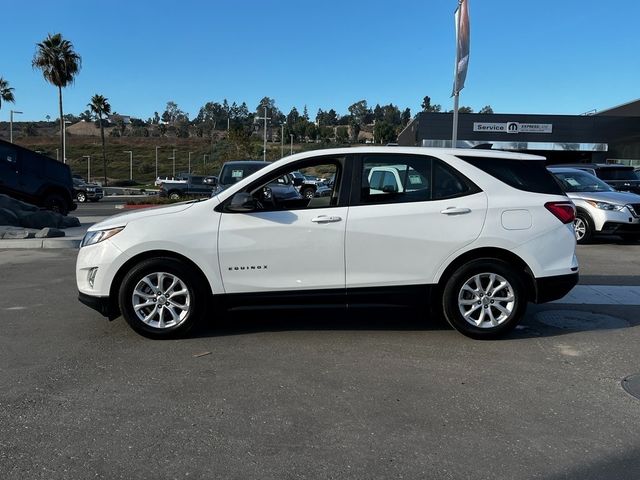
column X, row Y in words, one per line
column 174, row 196
column 584, row 228
column 56, row 203
column 161, row 298
column 484, row 299
column 308, row 193
column 81, row 197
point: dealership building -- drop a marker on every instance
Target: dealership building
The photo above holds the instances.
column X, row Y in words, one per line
column 611, row 135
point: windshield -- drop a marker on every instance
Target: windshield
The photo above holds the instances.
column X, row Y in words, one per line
column 234, row 173
column 618, row 174
column 581, row 182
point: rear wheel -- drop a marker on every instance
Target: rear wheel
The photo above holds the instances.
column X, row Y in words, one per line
column 81, row 197
column 174, row 195
column 162, row 298
column 583, row 227
column 484, row 298
column 308, row 192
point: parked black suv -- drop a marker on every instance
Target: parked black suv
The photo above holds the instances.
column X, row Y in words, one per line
column 35, row 178
column 620, row 177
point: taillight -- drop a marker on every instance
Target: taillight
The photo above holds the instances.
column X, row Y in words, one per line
column 564, row 211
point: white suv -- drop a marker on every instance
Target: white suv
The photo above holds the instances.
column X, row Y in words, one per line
column 475, row 234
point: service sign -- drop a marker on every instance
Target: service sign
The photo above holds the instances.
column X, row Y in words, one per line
column 513, row 127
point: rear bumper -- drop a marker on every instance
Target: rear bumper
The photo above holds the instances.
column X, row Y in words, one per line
column 554, row 288
column 102, row 305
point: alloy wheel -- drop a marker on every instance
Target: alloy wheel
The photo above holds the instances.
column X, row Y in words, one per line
column 161, row 300
column 486, row 300
column 580, row 228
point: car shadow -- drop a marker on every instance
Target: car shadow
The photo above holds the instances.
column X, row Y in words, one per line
column 540, row 321
column 612, row 240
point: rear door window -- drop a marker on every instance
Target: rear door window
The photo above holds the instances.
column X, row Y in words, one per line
column 527, row 175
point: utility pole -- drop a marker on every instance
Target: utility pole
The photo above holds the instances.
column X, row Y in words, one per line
column 11, row 112
column 264, row 147
column 282, row 141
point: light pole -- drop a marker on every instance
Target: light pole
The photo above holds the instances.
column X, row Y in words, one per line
column 157, row 147
column 291, row 135
column 88, row 157
column 190, row 161
column 282, row 140
column 264, row 147
column 11, row 112
column 130, row 163
column 64, row 141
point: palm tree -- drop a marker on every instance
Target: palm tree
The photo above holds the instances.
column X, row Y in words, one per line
column 6, row 92
column 59, row 64
column 99, row 106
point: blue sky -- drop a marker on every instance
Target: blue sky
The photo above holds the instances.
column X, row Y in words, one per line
column 537, row 56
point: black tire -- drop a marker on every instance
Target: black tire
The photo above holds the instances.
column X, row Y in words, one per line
column 56, row 203
column 174, row 195
column 81, row 197
column 465, row 274
column 583, row 221
column 308, row 192
column 196, row 301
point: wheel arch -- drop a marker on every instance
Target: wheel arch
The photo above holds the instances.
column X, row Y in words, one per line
column 125, row 267
column 491, row 253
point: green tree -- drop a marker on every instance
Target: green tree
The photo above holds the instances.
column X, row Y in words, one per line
column 100, row 106
column 59, row 64
column 384, row 132
column 427, row 107
column 359, row 114
column 486, row 109
column 342, row 134
column 6, row 92
column 406, row 116
column 465, row 110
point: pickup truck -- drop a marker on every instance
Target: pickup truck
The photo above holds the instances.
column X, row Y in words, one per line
column 194, row 186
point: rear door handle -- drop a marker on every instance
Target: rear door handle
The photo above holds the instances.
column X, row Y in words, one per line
column 455, row 211
column 325, row 219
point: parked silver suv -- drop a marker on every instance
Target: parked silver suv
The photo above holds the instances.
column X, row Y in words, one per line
column 600, row 208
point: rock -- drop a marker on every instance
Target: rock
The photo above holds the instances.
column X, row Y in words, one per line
column 50, row 233
column 7, row 217
column 19, row 234
column 39, row 219
column 12, row 204
column 21, row 214
column 68, row 222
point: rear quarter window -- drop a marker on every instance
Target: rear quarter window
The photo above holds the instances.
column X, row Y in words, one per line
column 527, row 175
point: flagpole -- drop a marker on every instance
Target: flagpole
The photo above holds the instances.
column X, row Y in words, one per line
column 456, row 99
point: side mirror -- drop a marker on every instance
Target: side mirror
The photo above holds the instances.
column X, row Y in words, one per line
column 242, row 202
column 212, row 181
column 297, row 182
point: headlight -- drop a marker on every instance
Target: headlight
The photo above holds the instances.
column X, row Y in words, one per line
column 605, row 206
column 98, row 236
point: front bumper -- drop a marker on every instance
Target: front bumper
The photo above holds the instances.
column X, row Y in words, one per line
column 554, row 288
column 103, row 305
column 615, row 228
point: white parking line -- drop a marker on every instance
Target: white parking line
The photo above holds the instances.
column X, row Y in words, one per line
column 602, row 295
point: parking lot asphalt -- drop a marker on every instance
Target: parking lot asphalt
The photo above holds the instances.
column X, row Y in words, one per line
column 315, row 394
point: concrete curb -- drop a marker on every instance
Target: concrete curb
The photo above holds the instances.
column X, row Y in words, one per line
column 30, row 243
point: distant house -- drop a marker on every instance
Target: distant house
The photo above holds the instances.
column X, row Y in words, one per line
column 115, row 118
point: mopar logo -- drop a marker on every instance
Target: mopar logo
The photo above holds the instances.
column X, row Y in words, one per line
column 249, row 267
column 513, row 127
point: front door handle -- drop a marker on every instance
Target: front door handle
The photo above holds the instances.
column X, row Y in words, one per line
column 455, row 211
column 325, row 219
